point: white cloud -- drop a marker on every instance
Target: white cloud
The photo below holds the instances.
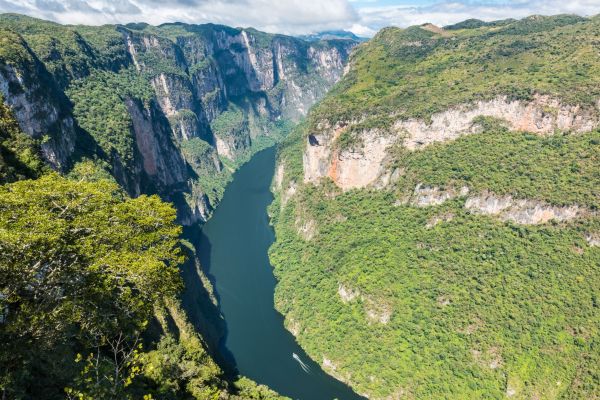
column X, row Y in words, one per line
column 363, row 17
column 286, row 16
column 449, row 12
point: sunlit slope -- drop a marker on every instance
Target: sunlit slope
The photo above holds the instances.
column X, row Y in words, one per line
column 437, row 215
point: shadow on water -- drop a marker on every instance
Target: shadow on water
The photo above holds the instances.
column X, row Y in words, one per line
column 200, row 309
column 233, row 250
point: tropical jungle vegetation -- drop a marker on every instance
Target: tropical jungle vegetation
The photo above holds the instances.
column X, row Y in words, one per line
column 403, row 301
column 89, row 280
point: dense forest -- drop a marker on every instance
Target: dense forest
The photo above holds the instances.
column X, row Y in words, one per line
column 466, row 266
column 89, row 286
column 453, row 274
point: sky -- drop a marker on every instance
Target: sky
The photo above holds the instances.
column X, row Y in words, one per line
column 363, row 17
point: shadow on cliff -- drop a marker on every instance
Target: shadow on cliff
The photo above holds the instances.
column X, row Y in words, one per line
column 198, row 303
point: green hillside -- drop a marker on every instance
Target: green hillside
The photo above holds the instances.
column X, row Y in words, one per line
column 414, row 72
column 437, row 300
column 89, row 286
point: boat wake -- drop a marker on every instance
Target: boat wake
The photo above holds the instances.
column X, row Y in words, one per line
column 305, row 367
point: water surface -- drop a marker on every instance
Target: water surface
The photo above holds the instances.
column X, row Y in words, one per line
column 233, row 249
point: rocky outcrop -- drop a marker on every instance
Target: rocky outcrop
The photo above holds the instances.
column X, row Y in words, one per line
column 526, row 212
column 162, row 162
column 357, row 166
column 347, row 294
column 506, row 208
column 542, row 115
column 593, row 239
column 376, row 310
column 363, row 164
column 424, row 196
column 307, row 229
column 43, row 112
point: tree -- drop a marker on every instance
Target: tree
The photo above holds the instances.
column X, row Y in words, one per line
column 82, row 267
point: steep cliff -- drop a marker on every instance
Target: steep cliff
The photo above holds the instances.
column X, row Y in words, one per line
column 437, row 214
column 133, row 97
column 169, row 110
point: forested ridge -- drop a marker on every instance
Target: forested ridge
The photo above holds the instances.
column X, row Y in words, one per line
column 455, row 271
column 465, row 266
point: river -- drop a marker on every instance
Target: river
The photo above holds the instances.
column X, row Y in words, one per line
column 233, row 249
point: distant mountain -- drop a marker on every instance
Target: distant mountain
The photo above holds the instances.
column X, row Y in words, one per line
column 477, row 23
column 331, row 35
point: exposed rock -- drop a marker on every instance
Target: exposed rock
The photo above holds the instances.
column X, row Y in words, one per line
column 279, row 174
column 364, row 164
column 41, row 110
column 510, row 391
column 278, row 183
column 162, row 161
column 593, row 239
column 437, row 219
column 377, row 311
column 347, row 294
column 424, row 196
column 543, row 115
column 527, row 212
column 289, row 193
column 317, row 154
column 293, row 325
column 388, row 177
column 350, row 168
column 224, row 148
column 195, row 77
column 332, row 368
column 306, row 229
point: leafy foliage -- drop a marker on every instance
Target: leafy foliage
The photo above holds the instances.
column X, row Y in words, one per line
column 81, row 266
column 558, row 169
column 100, row 109
column 181, row 368
column 203, row 158
column 415, row 73
column 476, row 307
column 437, row 302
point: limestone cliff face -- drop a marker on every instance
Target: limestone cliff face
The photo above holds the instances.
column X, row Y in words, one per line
column 354, row 167
column 225, row 87
column 542, row 115
column 161, row 160
column 269, row 76
column 41, row 110
column 364, row 163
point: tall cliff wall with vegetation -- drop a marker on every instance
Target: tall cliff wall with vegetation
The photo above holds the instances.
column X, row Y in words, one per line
column 437, row 214
column 95, row 122
column 90, row 286
column 170, row 110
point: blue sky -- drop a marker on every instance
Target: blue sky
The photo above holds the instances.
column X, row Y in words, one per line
column 363, row 17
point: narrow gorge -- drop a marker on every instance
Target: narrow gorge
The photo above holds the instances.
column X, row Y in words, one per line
column 172, row 110
column 206, row 212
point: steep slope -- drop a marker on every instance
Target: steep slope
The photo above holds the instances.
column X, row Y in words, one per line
column 75, row 306
column 437, row 214
column 169, row 109
column 20, row 156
